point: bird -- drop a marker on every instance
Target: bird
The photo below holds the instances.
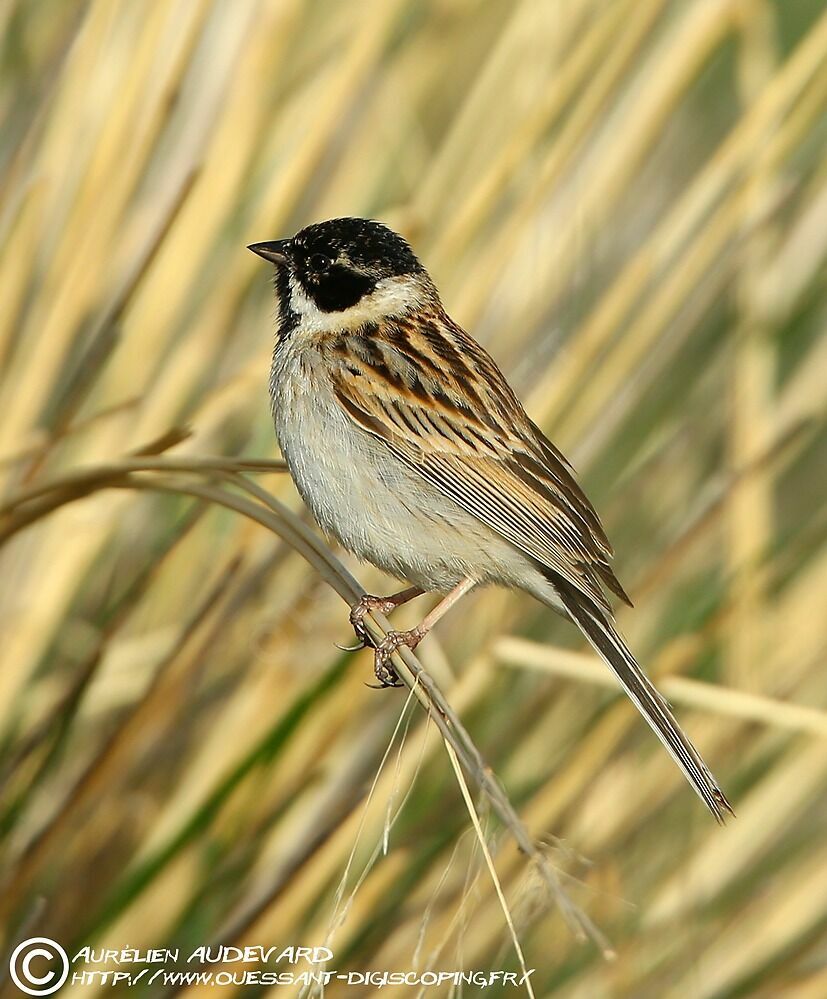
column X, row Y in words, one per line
column 411, row 449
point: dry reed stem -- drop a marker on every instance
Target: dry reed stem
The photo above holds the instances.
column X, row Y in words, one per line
column 271, row 513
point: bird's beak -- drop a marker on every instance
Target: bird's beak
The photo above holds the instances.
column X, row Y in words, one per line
column 277, row 251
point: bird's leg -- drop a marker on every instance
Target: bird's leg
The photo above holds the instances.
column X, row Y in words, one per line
column 385, row 673
column 367, row 603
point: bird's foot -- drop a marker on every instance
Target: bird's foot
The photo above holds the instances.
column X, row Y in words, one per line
column 385, row 673
column 366, row 604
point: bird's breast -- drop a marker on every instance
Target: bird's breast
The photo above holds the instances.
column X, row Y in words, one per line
column 350, row 481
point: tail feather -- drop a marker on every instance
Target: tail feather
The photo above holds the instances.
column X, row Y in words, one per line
column 608, row 643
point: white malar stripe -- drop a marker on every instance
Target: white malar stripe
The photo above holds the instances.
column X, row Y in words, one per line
column 391, row 297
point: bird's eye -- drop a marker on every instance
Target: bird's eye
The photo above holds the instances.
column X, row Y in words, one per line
column 319, row 261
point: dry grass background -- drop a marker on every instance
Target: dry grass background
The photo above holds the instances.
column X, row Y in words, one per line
column 626, row 200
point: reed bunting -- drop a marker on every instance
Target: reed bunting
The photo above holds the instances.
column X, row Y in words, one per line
column 411, row 449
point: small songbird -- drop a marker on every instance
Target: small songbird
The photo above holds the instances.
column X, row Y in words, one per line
column 411, row 449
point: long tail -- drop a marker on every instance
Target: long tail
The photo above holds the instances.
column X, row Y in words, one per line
column 608, row 643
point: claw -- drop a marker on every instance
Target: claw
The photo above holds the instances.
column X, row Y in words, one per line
column 351, row 648
column 386, row 675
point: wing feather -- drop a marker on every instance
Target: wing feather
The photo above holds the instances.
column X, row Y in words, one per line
column 438, row 401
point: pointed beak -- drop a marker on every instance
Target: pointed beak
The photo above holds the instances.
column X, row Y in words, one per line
column 277, row 251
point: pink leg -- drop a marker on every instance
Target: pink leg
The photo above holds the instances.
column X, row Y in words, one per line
column 385, row 673
column 367, row 603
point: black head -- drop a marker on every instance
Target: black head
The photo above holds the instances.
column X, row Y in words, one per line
column 340, row 261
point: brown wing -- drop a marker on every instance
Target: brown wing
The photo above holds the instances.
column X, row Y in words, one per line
column 440, row 403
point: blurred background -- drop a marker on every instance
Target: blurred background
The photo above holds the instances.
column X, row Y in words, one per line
column 626, row 202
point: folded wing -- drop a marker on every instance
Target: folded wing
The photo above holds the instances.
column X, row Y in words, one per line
column 439, row 402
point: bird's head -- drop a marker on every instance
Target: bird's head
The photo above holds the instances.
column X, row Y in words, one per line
column 345, row 272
